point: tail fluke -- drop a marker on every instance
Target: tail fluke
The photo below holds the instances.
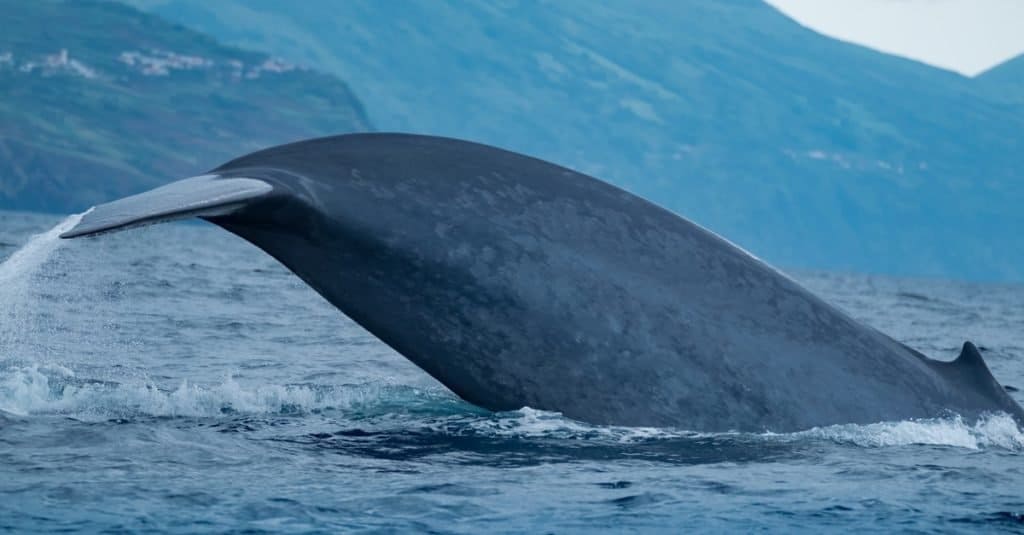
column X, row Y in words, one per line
column 201, row 196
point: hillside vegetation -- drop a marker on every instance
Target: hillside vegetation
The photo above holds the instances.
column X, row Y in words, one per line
column 100, row 100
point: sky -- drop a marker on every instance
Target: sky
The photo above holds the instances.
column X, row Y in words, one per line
column 968, row 36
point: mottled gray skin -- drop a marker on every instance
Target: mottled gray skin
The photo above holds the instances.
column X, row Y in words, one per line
column 516, row 282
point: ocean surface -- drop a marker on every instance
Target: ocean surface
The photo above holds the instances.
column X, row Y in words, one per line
column 175, row 378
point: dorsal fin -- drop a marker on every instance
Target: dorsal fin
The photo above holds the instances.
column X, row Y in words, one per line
column 971, row 368
column 970, row 357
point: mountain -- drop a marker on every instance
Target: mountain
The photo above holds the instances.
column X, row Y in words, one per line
column 1005, row 81
column 808, row 151
column 100, row 100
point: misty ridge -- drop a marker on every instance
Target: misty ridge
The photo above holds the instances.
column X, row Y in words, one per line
column 807, row 151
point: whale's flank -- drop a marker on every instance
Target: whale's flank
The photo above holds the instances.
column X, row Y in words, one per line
column 516, row 282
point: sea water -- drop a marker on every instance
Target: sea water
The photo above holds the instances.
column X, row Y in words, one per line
column 175, row 378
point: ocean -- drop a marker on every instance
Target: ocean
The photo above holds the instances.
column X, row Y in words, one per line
column 177, row 379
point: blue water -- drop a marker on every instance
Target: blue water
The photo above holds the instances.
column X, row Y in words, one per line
column 175, row 378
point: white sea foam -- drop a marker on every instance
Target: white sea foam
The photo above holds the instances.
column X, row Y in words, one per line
column 40, row 390
column 53, row 390
column 533, row 423
column 995, row 430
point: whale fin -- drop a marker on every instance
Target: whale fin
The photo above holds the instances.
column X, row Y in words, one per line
column 200, row 196
column 970, row 368
column 970, row 359
column 970, row 375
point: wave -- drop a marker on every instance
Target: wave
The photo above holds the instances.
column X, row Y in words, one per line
column 998, row 430
column 48, row 390
column 42, row 390
column 528, row 422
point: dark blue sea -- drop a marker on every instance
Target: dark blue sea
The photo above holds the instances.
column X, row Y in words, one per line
column 175, row 378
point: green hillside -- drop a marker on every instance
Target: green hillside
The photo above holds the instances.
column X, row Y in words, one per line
column 809, row 151
column 100, row 100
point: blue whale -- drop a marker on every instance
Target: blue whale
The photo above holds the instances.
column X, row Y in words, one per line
column 516, row 282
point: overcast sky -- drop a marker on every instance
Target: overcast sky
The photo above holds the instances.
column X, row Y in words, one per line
column 968, row 36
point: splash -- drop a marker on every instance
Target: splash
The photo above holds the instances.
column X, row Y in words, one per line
column 18, row 268
column 17, row 275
